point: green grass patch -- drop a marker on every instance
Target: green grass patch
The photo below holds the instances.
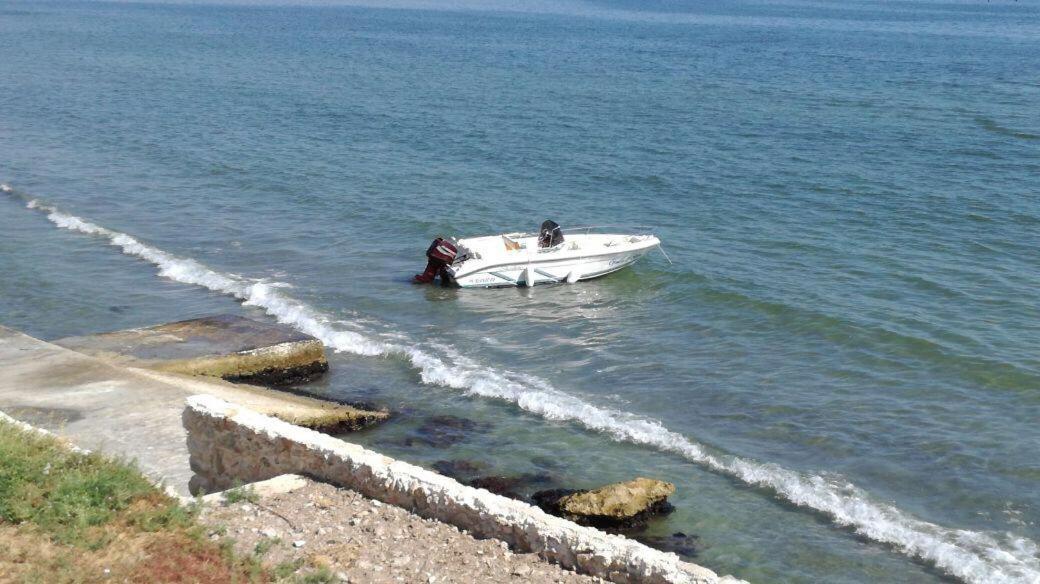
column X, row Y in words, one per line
column 286, row 569
column 318, row 576
column 60, row 510
column 240, row 494
column 264, row 545
column 65, row 494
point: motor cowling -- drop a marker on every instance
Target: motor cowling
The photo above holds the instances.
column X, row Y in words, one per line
column 440, row 255
column 442, row 250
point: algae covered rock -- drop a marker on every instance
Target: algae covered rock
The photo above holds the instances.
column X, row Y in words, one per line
column 627, row 504
column 618, row 500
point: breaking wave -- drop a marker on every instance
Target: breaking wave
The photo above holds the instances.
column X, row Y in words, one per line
column 968, row 555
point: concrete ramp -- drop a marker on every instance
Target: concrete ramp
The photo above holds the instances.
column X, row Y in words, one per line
column 135, row 413
column 228, row 346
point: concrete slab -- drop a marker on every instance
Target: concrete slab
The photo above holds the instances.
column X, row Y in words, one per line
column 278, row 485
column 228, row 346
column 133, row 413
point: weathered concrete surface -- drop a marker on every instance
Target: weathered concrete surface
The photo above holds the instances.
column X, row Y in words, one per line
column 228, row 346
column 309, row 412
column 230, row 444
column 278, row 485
column 130, row 413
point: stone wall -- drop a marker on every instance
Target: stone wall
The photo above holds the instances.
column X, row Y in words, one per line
column 230, row 445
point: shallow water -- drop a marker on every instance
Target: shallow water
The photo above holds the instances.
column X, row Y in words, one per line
column 838, row 370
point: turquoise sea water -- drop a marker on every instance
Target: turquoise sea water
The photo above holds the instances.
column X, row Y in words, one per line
column 840, row 368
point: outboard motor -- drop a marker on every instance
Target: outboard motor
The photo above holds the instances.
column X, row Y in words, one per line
column 550, row 235
column 440, row 254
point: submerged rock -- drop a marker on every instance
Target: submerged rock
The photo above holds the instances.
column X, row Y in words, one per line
column 499, row 485
column 511, row 486
column 546, row 462
column 677, row 543
column 549, row 500
column 445, row 430
column 626, row 505
column 459, row 469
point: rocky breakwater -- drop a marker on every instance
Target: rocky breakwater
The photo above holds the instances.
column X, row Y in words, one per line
column 618, row 506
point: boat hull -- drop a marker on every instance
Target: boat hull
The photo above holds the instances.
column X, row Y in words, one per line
column 546, row 271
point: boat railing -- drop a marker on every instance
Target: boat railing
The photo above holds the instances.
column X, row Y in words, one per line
column 629, row 229
column 587, row 229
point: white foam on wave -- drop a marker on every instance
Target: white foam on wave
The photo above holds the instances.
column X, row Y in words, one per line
column 971, row 556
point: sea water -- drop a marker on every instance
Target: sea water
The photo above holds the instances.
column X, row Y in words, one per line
column 838, row 368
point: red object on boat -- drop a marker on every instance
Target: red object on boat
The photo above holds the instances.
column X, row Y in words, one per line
column 441, row 254
column 443, row 250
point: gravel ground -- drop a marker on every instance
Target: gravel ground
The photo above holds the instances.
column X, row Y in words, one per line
column 361, row 540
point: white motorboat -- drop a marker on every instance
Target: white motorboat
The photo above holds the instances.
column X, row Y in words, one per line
column 525, row 259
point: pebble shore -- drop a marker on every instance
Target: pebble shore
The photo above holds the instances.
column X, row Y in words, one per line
column 362, row 540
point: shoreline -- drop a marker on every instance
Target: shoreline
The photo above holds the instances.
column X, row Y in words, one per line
column 136, row 414
column 132, row 411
